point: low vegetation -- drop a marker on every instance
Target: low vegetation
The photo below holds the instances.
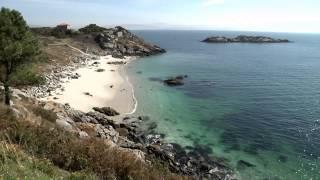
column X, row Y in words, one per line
column 92, row 28
column 27, row 75
column 44, row 114
column 16, row 164
column 53, row 151
column 58, row 33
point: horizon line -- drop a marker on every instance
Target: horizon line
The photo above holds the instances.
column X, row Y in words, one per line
column 185, row 29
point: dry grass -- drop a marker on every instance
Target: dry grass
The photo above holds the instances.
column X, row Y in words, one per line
column 45, row 114
column 72, row 154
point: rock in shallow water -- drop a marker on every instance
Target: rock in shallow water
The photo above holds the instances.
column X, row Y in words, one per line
column 242, row 164
column 175, row 81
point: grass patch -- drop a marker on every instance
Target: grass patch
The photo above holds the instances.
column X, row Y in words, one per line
column 45, row 114
column 16, row 164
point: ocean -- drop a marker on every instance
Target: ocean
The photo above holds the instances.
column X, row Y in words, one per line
column 259, row 103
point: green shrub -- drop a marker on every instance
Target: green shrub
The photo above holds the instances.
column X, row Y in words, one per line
column 26, row 75
column 92, row 28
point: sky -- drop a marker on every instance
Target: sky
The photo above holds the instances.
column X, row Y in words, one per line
column 243, row 15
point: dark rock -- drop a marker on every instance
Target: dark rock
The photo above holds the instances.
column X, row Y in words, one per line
column 126, row 118
column 107, row 111
column 152, row 126
column 175, row 81
column 117, row 62
column 87, row 94
column 124, row 143
column 283, row 158
column 122, row 131
column 202, row 149
column 144, row 118
column 75, row 76
column 244, row 164
column 244, row 39
column 100, row 70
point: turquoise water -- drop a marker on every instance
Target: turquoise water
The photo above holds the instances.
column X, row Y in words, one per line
column 254, row 102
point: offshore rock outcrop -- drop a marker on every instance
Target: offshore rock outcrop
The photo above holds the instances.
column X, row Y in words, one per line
column 175, row 81
column 244, row 39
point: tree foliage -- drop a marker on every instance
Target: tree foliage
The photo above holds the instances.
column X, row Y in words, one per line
column 17, row 45
column 92, row 28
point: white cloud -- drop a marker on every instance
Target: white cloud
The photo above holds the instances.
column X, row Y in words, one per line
column 212, row 2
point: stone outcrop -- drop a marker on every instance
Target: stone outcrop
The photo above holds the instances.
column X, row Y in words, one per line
column 120, row 42
column 244, row 39
column 107, row 111
column 175, row 81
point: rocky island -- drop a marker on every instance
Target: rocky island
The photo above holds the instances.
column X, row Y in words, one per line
column 244, row 39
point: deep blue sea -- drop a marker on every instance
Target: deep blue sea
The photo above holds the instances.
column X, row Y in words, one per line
column 254, row 102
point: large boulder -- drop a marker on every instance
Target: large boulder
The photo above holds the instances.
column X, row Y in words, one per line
column 107, row 111
column 107, row 132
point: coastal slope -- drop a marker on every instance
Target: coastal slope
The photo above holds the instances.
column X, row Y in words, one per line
column 81, row 78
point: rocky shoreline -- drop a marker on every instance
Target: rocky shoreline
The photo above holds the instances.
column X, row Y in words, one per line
column 244, row 39
column 135, row 134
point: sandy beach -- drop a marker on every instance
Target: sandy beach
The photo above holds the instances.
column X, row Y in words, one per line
column 100, row 84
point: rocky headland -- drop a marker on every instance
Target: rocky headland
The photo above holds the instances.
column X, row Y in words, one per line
column 117, row 41
column 244, row 39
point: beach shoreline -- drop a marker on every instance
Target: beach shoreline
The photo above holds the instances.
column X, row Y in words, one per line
column 100, row 83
